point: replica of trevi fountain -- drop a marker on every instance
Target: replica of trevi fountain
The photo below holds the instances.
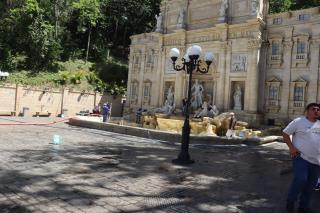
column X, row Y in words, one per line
column 205, row 118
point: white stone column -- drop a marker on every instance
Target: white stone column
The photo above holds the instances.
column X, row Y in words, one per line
column 130, row 70
column 220, row 83
column 251, row 88
column 286, row 79
column 162, row 66
column 178, row 88
column 141, row 77
column 226, row 92
column 313, row 94
column 155, row 76
column 262, row 77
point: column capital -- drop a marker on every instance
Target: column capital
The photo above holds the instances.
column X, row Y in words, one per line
column 225, row 45
column 287, row 45
column 254, row 44
column 314, row 43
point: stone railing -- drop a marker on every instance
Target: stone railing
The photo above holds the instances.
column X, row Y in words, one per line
column 275, row 57
column 301, row 56
column 298, row 104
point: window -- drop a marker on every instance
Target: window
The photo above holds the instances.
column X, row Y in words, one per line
column 301, row 47
column 277, row 20
column 304, row 17
column 134, row 90
column 298, row 93
column 136, row 60
column 275, row 48
column 273, row 93
column 146, row 92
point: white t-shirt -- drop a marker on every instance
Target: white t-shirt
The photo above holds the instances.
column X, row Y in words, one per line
column 306, row 138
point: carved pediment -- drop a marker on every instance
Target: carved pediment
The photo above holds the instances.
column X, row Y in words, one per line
column 300, row 80
column 274, row 79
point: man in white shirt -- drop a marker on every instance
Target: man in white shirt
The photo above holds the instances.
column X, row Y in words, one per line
column 305, row 152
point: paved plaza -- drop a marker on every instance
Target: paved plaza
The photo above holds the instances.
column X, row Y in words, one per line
column 97, row 171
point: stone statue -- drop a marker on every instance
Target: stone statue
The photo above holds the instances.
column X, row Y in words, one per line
column 207, row 111
column 213, row 110
column 159, row 22
column 237, row 98
column 166, row 109
column 254, row 7
column 170, row 96
column 197, row 95
column 203, row 112
column 180, row 23
column 223, row 10
column 231, row 127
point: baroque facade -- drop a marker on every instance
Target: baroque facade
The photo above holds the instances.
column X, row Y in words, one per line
column 273, row 60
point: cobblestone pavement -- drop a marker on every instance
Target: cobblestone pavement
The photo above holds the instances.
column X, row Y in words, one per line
column 96, row 171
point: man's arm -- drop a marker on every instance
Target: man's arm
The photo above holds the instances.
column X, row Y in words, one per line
column 294, row 152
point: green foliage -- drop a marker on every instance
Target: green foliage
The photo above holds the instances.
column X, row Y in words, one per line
column 115, row 89
column 29, row 78
column 24, row 31
column 40, row 35
column 277, row 6
column 112, row 71
column 89, row 12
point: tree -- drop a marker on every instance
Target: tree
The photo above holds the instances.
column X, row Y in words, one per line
column 88, row 16
column 278, row 6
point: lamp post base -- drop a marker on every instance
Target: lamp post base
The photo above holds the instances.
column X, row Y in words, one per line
column 181, row 161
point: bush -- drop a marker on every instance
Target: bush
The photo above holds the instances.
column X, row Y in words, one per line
column 112, row 72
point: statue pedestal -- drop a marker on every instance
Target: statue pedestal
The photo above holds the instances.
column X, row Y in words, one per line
column 237, row 108
column 253, row 119
column 222, row 19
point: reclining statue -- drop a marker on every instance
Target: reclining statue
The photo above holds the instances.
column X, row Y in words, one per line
column 166, row 109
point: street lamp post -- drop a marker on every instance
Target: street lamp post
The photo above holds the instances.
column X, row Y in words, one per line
column 190, row 63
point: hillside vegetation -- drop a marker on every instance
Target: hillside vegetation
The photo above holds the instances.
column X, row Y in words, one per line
column 80, row 43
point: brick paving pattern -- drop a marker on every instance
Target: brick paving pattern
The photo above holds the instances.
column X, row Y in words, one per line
column 96, row 171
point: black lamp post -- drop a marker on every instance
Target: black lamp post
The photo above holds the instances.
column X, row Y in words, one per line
column 190, row 63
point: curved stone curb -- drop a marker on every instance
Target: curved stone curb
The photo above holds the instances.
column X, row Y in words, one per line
column 169, row 136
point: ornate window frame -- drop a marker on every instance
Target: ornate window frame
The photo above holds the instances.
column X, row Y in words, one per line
column 301, row 58
column 147, row 87
column 298, row 105
column 134, row 91
column 272, row 104
column 275, row 60
column 277, row 20
column 150, row 61
column 136, row 58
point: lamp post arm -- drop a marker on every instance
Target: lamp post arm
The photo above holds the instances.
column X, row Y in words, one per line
column 179, row 67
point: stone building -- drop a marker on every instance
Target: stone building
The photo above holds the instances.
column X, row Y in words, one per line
column 273, row 60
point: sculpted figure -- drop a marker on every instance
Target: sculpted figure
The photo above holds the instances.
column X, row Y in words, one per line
column 166, row 109
column 197, row 95
column 237, row 98
column 254, row 7
column 202, row 112
column 223, row 10
column 159, row 22
column 213, row 110
column 170, row 96
column 180, row 23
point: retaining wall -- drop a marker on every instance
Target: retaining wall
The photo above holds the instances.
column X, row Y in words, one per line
column 14, row 98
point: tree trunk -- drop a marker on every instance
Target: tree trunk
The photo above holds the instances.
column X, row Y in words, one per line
column 56, row 17
column 88, row 45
